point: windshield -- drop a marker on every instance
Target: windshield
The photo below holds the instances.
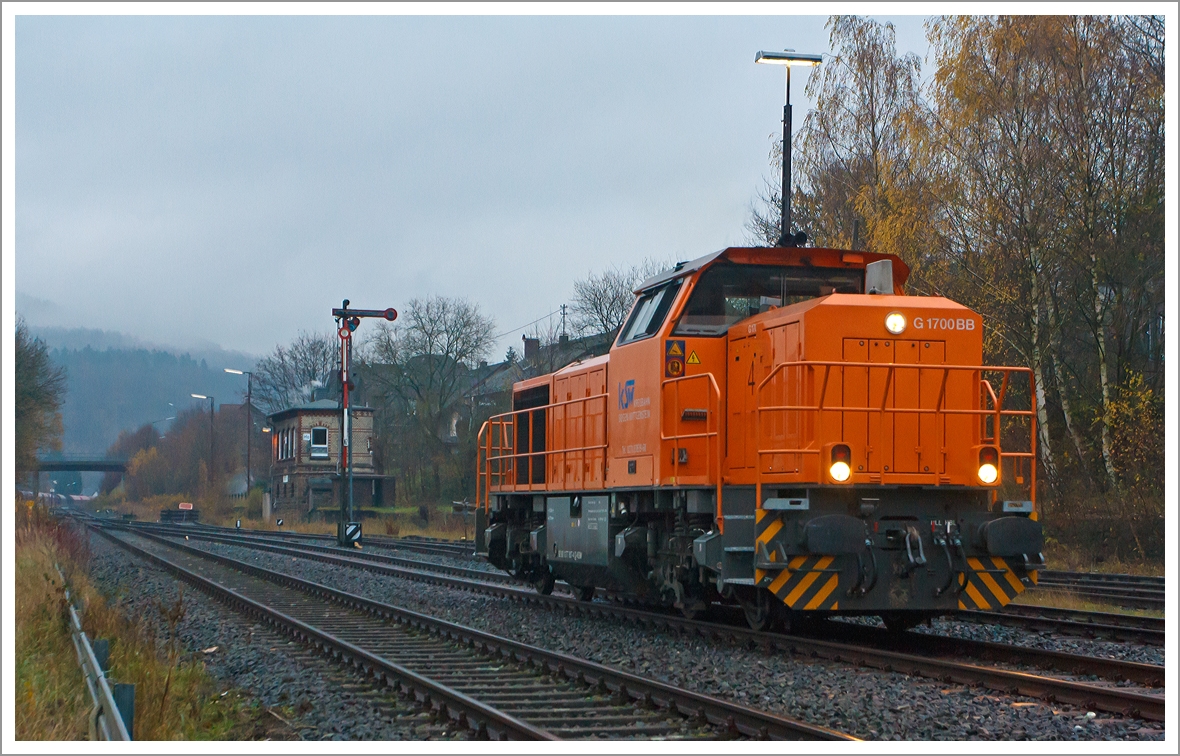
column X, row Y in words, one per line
column 649, row 312
column 727, row 293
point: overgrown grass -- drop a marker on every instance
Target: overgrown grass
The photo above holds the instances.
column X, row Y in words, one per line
column 1059, row 556
column 51, row 698
column 1066, row 600
column 174, row 695
column 440, row 521
column 408, row 523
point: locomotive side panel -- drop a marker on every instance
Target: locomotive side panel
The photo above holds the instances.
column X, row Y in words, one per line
column 578, row 429
column 633, row 419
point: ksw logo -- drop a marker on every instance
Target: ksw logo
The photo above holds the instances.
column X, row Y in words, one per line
column 626, row 394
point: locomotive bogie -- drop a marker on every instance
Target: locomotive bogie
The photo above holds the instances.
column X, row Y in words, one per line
column 883, row 551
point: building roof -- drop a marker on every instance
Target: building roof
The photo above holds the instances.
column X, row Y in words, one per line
column 320, row 405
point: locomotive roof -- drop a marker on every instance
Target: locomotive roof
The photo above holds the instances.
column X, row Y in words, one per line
column 802, row 256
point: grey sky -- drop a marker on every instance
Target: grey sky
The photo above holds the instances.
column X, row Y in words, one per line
column 230, row 179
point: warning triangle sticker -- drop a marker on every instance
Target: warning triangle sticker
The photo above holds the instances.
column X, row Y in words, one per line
column 693, row 359
column 675, row 350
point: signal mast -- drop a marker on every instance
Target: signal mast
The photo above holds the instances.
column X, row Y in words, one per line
column 349, row 531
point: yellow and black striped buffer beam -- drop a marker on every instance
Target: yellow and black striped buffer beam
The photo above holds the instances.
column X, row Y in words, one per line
column 807, row 583
column 990, row 584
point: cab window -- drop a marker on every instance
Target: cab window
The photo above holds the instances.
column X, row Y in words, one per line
column 649, row 312
column 727, row 293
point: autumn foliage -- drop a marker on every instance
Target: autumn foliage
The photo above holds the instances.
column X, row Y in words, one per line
column 1024, row 178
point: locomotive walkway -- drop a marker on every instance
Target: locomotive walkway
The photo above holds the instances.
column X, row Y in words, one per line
column 873, row 649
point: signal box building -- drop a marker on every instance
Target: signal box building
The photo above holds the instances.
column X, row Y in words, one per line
column 307, row 474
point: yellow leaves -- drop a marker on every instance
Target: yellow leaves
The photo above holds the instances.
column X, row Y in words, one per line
column 1136, row 421
column 142, row 459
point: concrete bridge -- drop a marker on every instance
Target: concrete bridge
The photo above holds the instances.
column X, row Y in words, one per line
column 80, row 463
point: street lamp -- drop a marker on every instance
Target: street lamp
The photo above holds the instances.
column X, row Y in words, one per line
column 788, row 59
column 249, row 419
column 202, row 396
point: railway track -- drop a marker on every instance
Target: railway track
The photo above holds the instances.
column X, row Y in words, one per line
column 1132, row 591
column 1125, row 628
column 495, row 687
column 873, row 648
column 1084, row 624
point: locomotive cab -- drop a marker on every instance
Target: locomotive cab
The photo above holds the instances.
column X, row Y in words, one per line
column 781, row 428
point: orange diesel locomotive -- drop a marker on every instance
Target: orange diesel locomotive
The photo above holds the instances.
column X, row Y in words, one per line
column 780, row 428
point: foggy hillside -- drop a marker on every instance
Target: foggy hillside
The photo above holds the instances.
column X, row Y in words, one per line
column 116, row 382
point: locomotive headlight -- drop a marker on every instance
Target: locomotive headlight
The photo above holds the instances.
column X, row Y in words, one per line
column 988, row 464
column 895, row 323
column 840, row 469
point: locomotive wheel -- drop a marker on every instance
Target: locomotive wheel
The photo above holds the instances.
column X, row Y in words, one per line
column 583, row 592
column 758, row 610
column 544, row 584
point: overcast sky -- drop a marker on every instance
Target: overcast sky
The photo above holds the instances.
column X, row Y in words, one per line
column 230, row 179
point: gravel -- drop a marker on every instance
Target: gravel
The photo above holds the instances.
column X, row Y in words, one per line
column 320, row 700
column 867, row 703
column 1048, row 641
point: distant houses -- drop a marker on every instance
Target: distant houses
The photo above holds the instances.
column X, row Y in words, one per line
column 306, row 470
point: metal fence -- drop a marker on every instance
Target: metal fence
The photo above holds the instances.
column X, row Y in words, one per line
column 112, row 716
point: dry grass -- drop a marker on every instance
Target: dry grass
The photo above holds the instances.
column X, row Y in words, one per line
column 1066, row 600
column 442, row 524
column 175, row 697
column 51, row 698
column 1060, row 557
column 405, row 521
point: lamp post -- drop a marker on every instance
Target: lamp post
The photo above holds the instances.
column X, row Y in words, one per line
column 210, row 398
column 787, row 59
column 249, row 419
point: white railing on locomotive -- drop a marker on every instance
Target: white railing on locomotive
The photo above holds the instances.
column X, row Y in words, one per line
column 712, row 414
column 997, row 411
column 504, row 463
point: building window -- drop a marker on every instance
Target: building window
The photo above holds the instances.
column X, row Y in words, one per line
column 319, row 443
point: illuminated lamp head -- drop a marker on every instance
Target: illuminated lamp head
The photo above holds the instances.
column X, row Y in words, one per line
column 841, row 467
column 895, row 323
column 989, row 465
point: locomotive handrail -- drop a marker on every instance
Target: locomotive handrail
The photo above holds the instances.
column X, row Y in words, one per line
column 494, row 453
column 480, row 476
column 714, row 397
column 997, row 411
column 998, row 403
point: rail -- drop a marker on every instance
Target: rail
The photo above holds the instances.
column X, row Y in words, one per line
column 113, row 711
column 712, row 437
column 627, row 689
column 913, row 660
column 995, row 412
column 498, row 457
